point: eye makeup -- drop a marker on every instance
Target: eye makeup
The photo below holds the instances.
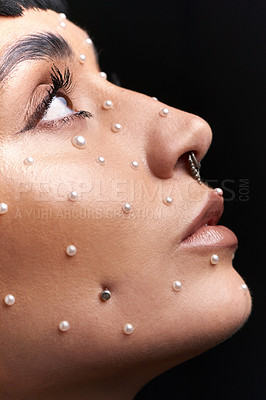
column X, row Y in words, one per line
column 62, row 84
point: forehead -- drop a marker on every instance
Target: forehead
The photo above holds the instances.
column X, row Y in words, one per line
column 36, row 21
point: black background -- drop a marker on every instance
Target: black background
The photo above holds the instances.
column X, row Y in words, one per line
column 208, row 58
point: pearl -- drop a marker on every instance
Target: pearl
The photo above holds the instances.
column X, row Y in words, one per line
column 219, row 191
column 106, row 294
column 168, row 201
column 108, row 104
column 164, row 112
column 3, row 208
column 134, row 164
column 73, row 196
column 79, row 142
column 29, row 161
column 126, row 207
column 244, row 286
column 214, row 259
column 10, row 300
column 71, row 250
column 128, row 329
column 62, row 16
column 103, row 75
column 100, row 160
column 177, row 285
column 64, row 326
column 82, row 58
column 88, row 41
column 62, row 24
column 117, row 128
column 155, row 98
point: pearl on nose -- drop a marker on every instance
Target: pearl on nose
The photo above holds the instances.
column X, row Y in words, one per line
column 79, row 142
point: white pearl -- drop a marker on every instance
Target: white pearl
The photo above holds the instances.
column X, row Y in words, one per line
column 177, row 285
column 219, row 191
column 10, row 300
column 79, row 142
column 100, row 160
column 126, row 207
column 64, row 326
column 214, row 259
column 244, row 286
column 82, row 58
column 71, row 250
column 103, row 75
column 134, row 164
column 3, row 208
column 73, row 196
column 29, row 161
column 116, row 128
column 164, row 112
column 168, row 201
column 106, row 294
column 62, row 24
column 89, row 41
column 155, row 98
column 108, row 104
column 128, row 329
column 62, row 16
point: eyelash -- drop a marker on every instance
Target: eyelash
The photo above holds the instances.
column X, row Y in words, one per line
column 59, row 82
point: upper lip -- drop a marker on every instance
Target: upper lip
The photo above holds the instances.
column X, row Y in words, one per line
column 210, row 214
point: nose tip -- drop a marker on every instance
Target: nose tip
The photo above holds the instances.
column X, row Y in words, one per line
column 169, row 140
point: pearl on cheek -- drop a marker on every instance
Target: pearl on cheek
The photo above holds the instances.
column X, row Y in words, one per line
column 3, row 208
column 73, row 196
column 128, row 329
column 103, row 75
column 177, row 286
column 29, row 161
column 100, row 160
column 134, row 164
column 164, row 112
column 79, row 142
column 108, row 104
column 64, row 326
column 168, row 201
column 88, row 41
column 9, row 300
column 62, row 24
column 126, row 208
column 214, row 259
column 244, row 286
column 71, row 250
column 116, row 127
column 82, row 58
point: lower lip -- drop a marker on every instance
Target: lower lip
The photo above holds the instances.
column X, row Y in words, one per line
column 211, row 236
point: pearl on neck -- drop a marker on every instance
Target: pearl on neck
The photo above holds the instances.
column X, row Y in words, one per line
column 3, row 208
column 79, row 142
column 128, row 329
column 10, row 300
column 64, row 326
column 108, row 104
column 71, row 250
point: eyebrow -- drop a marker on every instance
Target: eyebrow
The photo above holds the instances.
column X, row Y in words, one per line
column 39, row 46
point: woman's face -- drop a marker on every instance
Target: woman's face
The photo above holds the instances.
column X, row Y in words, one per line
column 136, row 255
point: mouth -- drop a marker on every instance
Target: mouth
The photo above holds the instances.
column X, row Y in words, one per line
column 204, row 231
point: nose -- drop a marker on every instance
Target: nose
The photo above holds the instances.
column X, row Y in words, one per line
column 171, row 137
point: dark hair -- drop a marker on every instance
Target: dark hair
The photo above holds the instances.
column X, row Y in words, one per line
column 14, row 8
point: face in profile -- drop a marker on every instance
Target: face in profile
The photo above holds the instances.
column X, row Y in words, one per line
column 111, row 255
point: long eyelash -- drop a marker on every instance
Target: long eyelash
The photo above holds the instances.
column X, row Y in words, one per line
column 59, row 82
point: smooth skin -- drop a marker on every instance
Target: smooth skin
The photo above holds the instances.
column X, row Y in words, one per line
column 136, row 256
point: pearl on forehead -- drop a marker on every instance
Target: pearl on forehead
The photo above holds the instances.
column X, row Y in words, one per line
column 168, row 201
column 100, row 160
column 29, row 161
column 128, row 329
column 214, row 259
column 73, row 196
column 103, row 75
column 126, row 207
column 177, row 285
column 88, row 41
column 10, row 300
column 244, row 286
column 64, row 326
column 155, row 98
column 62, row 16
column 79, row 142
column 71, row 250
column 107, row 104
column 106, row 294
column 134, row 164
column 117, row 128
column 164, row 112
column 82, row 58
column 3, row 208
column 219, row 191
column 62, row 24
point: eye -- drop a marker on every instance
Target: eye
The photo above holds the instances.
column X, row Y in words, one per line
column 58, row 108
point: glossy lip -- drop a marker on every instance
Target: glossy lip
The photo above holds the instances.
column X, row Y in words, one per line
column 200, row 234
